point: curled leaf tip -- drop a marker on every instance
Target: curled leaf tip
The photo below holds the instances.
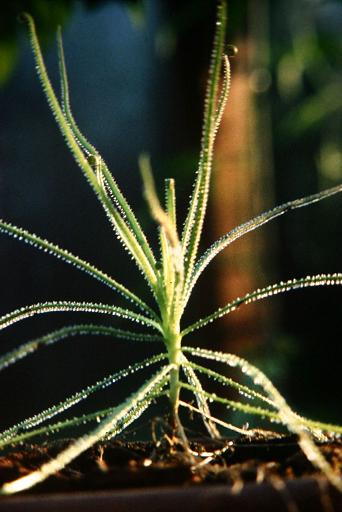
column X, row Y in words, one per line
column 24, row 17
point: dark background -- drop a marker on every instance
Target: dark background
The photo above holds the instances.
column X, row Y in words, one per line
column 137, row 74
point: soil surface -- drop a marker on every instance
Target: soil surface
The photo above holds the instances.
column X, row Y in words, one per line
column 124, row 465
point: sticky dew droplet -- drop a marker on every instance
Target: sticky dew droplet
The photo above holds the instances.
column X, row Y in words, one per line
column 231, row 50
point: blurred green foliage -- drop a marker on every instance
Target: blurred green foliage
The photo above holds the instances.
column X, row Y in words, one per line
column 308, row 69
column 48, row 15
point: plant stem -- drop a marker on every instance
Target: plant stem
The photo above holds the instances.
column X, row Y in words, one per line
column 174, row 350
column 173, row 343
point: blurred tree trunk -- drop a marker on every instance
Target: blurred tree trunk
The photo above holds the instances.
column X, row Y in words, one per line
column 242, row 184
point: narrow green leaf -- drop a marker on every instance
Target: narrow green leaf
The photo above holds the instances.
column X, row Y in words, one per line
column 172, row 254
column 70, row 306
column 313, row 426
column 198, row 204
column 168, row 252
column 263, row 293
column 252, row 224
column 119, row 200
column 233, row 404
column 66, row 332
column 66, row 256
column 288, row 417
column 124, row 414
column 170, row 200
column 201, row 399
column 225, row 90
column 168, row 276
column 55, row 428
column 124, row 233
column 152, row 199
column 226, row 381
column 74, row 399
column 215, row 420
column 65, row 95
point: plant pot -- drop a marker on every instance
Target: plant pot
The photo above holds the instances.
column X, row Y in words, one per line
column 304, row 495
column 248, row 476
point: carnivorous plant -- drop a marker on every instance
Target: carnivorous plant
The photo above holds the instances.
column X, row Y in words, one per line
column 171, row 274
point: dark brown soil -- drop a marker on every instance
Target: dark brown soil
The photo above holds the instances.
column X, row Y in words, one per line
column 123, row 465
